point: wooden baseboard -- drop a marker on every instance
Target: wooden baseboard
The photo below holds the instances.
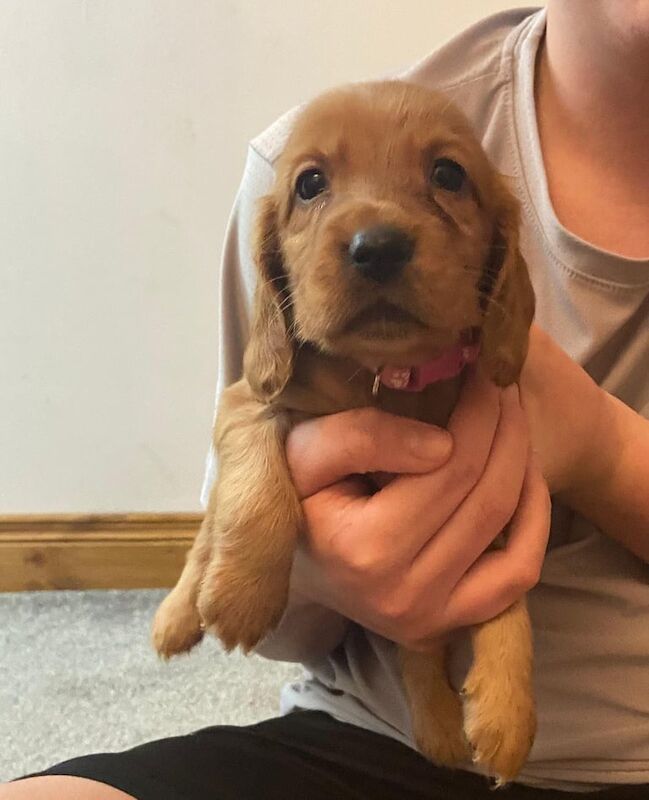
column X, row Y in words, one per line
column 93, row 551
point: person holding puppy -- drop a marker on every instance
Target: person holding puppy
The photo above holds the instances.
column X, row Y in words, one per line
column 557, row 98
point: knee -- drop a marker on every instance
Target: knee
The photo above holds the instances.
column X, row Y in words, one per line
column 55, row 787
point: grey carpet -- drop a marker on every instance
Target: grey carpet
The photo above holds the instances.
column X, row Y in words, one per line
column 77, row 675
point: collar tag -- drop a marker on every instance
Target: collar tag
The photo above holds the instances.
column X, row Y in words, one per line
column 414, row 379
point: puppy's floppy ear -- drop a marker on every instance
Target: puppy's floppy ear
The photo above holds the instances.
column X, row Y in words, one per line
column 268, row 360
column 507, row 296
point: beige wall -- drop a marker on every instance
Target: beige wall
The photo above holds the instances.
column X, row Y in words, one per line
column 123, row 128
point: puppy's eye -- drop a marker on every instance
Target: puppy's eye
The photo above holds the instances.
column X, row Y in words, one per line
column 310, row 184
column 448, row 175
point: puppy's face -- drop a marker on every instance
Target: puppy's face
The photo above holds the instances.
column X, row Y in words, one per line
column 387, row 229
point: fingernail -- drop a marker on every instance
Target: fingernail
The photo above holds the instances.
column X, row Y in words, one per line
column 431, row 445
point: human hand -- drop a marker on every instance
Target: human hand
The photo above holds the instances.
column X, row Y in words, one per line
column 409, row 561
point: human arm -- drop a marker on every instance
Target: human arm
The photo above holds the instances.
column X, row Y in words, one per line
column 592, row 448
column 616, row 499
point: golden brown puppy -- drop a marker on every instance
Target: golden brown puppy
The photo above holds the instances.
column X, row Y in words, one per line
column 388, row 258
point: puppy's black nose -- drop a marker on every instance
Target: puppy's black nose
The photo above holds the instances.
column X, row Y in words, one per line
column 381, row 252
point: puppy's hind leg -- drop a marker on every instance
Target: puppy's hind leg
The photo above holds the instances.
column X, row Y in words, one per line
column 177, row 626
column 435, row 708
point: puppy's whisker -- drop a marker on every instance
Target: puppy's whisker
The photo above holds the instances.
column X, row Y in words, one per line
column 288, row 300
column 292, row 331
column 492, row 301
column 269, row 281
column 284, row 304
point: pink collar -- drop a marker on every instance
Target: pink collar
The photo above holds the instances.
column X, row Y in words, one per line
column 414, row 379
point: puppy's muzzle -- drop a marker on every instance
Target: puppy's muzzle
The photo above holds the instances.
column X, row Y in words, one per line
column 380, row 253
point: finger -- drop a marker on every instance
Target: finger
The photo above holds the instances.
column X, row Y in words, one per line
column 333, row 507
column 322, row 451
column 421, row 504
column 490, row 505
column 501, row 577
column 334, row 515
column 477, row 390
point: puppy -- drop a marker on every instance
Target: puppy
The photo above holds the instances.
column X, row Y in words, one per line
column 388, row 258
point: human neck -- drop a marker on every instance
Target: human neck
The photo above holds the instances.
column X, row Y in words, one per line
column 596, row 77
column 591, row 94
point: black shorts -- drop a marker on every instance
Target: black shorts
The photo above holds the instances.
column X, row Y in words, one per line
column 303, row 756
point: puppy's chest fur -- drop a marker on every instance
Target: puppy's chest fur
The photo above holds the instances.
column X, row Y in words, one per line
column 323, row 384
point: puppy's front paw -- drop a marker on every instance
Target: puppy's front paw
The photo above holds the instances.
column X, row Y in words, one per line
column 176, row 626
column 500, row 724
column 241, row 610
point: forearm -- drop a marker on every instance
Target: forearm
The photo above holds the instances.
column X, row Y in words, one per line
column 615, row 492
